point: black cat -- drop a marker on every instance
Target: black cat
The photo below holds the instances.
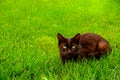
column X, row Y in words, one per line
column 85, row 45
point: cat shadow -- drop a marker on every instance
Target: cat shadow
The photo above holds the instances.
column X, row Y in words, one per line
column 90, row 59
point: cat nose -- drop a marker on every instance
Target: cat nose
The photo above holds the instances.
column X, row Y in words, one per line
column 69, row 50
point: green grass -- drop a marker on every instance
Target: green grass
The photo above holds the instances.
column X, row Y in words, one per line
column 28, row 38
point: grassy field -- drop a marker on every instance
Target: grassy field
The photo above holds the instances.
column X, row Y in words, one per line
column 28, row 38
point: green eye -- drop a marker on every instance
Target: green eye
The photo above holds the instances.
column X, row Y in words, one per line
column 64, row 47
column 73, row 47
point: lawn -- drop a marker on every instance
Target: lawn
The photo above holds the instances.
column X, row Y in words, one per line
column 29, row 45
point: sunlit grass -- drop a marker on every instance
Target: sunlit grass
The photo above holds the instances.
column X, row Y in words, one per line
column 28, row 38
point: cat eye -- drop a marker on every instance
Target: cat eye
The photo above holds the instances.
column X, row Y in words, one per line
column 64, row 47
column 73, row 47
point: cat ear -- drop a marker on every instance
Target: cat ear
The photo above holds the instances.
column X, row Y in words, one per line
column 60, row 38
column 76, row 39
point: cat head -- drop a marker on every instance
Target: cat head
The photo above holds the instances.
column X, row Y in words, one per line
column 69, row 46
